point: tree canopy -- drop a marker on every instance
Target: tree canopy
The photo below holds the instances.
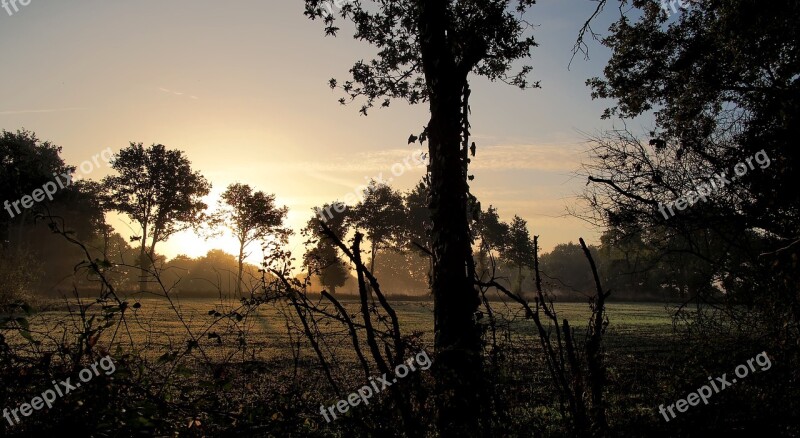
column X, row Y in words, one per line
column 157, row 188
column 251, row 217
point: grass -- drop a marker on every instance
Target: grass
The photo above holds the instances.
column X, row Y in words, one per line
column 638, row 341
column 634, row 327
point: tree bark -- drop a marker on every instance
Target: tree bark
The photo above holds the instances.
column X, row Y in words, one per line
column 458, row 366
column 144, row 264
column 148, row 256
column 373, row 253
column 239, row 279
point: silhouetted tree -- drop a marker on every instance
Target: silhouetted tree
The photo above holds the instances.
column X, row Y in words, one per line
column 322, row 256
column 158, row 190
column 723, row 78
column 518, row 248
column 418, row 225
column 251, row 217
column 403, row 272
column 333, row 272
column 381, row 214
column 210, row 275
column 26, row 164
column 426, row 52
column 565, row 266
column 121, row 255
column 493, row 235
column 417, row 234
column 37, row 187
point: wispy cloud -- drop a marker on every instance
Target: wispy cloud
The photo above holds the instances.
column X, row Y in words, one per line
column 38, row 111
column 366, row 163
column 177, row 93
column 551, row 158
column 333, row 180
column 548, row 158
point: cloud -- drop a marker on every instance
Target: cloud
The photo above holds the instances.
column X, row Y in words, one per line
column 38, row 111
column 321, row 176
column 366, row 163
column 176, row 93
column 551, row 158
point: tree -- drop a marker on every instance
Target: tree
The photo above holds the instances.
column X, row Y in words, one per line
column 566, row 266
column 418, row 225
column 26, row 164
column 211, row 275
column 250, row 216
column 157, row 189
column 32, row 170
column 493, row 234
column 80, row 206
column 333, row 272
column 381, row 214
column 426, row 52
column 518, row 250
column 403, row 272
column 115, row 249
column 722, row 80
column 417, row 234
column 322, row 256
column 76, row 209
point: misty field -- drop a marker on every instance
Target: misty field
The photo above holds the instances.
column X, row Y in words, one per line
column 635, row 328
column 253, row 370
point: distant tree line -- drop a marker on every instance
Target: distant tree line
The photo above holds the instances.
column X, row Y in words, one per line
column 157, row 189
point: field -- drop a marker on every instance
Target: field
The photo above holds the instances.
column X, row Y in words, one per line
column 253, row 369
column 634, row 328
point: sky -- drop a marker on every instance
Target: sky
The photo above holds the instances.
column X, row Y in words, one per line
column 242, row 87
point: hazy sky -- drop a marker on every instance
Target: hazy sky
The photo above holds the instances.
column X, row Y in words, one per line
column 241, row 87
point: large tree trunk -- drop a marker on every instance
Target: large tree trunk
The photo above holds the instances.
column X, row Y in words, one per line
column 458, row 366
column 239, row 277
column 456, row 300
column 373, row 252
column 149, row 257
